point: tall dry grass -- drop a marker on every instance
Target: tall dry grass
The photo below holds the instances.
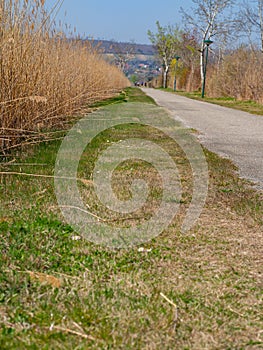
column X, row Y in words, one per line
column 187, row 79
column 44, row 76
column 239, row 76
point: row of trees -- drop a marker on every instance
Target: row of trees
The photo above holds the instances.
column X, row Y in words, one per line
column 221, row 21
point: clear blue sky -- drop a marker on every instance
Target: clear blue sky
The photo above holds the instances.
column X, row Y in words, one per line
column 122, row 20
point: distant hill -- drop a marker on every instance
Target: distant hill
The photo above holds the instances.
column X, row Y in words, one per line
column 109, row 47
column 139, row 62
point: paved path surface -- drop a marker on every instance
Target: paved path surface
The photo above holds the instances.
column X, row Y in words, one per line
column 230, row 133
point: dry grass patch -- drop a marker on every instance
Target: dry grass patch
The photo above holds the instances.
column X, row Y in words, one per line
column 211, row 277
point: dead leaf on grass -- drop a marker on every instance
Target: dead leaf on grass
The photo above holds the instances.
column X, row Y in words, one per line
column 86, row 182
column 5, row 219
column 46, row 279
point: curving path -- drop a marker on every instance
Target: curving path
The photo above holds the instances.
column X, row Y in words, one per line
column 230, row 133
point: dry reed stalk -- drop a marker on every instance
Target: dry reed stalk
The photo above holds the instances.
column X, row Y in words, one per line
column 239, row 76
column 44, row 76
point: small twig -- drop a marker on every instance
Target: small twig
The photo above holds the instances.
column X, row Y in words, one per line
column 80, row 209
column 176, row 318
column 22, row 164
column 236, row 312
column 67, row 330
column 30, row 143
column 169, row 301
column 84, row 181
column 25, row 174
column 39, row 193
column 19, row 130
column 78, row 326
column 8, row 163
column 54, row 273
column 95, row 216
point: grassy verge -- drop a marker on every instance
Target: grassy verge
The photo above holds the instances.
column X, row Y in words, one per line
column 58, row 291
column 246, row 106
column 127, row 95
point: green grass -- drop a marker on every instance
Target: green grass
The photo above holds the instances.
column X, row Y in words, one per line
column 136, row 95
column 57, row 292
column 127, row 95
column 121, row 97
column 246, row 106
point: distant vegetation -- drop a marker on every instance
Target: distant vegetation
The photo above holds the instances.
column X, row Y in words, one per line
column 44, row 77
column 140, row 63
column 109, row 46
column 214, row 27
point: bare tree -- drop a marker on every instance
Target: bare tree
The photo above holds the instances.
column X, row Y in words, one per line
column 167, row 41
column 260, row 12
column 209, row 19
column 250, row 19
column 123, row 53
column 189, row 56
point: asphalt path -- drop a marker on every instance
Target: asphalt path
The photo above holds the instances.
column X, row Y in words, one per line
column 233, row 134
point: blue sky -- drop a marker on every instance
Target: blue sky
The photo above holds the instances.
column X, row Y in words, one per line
column 122, row 20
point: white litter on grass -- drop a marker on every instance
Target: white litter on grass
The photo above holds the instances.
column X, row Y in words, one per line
column 144, row 250
column 76, row 238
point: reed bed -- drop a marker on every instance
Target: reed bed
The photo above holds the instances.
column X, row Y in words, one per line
column 45, row 77
column 239, row 76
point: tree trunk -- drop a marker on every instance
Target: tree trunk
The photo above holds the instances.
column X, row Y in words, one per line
column 260, row 11
column 191, row 77
column 165, row 74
